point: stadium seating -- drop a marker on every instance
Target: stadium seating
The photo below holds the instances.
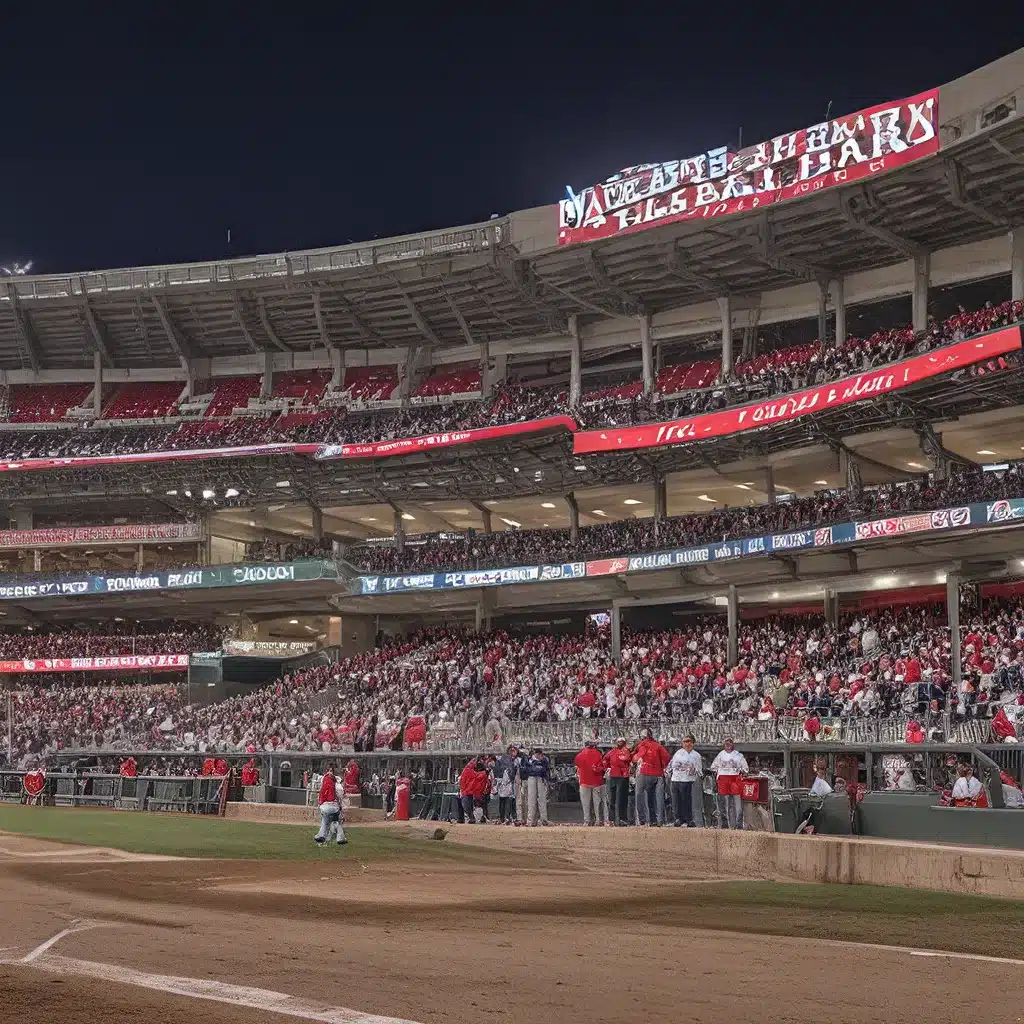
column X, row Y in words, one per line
column 232, row 393
column 305, row 386
column 107, row 639
column 888, row 658
column 370, row 383
column 45, row 403
column 143, row 400
column 448, row 381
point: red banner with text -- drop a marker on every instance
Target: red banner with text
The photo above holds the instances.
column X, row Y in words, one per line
column 150, row 662
column 757, row 415
column 718, row 183
column 429, row 442
column 76, row 536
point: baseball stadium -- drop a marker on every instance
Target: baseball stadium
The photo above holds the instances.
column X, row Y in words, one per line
column 610, row 607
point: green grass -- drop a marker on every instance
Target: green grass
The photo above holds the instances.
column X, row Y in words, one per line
column 191, row 835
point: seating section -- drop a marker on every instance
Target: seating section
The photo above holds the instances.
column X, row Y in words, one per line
column 308, row 386
column 451, row 380
column 45, row 403
column 232, row 393
column 876, row 662
column 370, row 383
column 688, row 376
column 615, row 393
column 143, row 400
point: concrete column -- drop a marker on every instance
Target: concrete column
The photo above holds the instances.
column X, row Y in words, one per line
column 922, row 271
column 140, row 558
column 97, row 384
column 616, row 633
column 725, row 306
column 831, row 609
column 37, row 560
column 267, row 382
column 660, row 501
column 486, row 381
column 485, row 515
column 659, row 359
column 646, row 354
column 1017, row 265
column 769, row 483
column 317, row 517
column 478, row 616
column 574, row 519
column 190, row 380
column 399, row 531
column 823, row 312
column 854, row 484
column 22, row 516
column 733, row 614
column 953, row 618
column 839, row 301
column 337, row 368
column 575, row 362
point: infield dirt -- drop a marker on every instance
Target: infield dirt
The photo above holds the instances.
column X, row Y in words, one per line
column 575, row 932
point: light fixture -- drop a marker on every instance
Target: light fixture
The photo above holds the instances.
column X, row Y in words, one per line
column 775, row 595
column 408, row 516
column 188, row 494
column 283, row 483
column 885, row 581
column 251, row 522
column 231, row 492
column 985, row 451
column 172, row 493
column 632, row 501
column 515, row 469
column 547, row 504
column 293, row 622
column 207, row 493
column 940, row 577
column 599, row 512
column 705, row 497
column 743, row 487
column 458, row 512
column 511, row 522
column 915, row 465
column 580, row 468
column 368, row 519
column 821, row 483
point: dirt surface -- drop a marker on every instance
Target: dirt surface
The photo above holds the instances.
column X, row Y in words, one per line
column 557, row 925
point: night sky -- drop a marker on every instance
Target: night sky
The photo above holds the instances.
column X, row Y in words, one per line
column 143, row 139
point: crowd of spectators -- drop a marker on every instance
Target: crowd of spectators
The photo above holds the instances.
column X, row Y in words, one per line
column 759, row 377
column 107, row 639
column 883, row 663
column 268, row 550
column 631, row 536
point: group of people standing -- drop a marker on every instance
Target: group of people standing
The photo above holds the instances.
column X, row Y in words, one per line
column 519, row 779
column 605, row 783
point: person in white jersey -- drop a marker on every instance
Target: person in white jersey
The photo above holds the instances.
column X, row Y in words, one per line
column 730, row 766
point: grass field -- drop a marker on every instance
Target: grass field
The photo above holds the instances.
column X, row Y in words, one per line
column 193, row 835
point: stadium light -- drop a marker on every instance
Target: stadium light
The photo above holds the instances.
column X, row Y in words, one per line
column 17, row 269
column 231, row 492
column 283, row 483
column 207, row 493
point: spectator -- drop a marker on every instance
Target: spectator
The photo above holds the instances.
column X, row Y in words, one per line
column 536, row 769
column 685, row 768
column 590, row 772
column 506, row 771
column 618, row 761
column 730, row 766
column 652, row 759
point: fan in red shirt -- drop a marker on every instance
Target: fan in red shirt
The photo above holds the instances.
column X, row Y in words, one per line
column 330, row 805
column 590, row 768
column 650, row 783
column 618, row 760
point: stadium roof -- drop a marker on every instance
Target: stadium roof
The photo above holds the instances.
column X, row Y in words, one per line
column 507, row 279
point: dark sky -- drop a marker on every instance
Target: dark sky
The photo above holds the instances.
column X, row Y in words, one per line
column 134, row 140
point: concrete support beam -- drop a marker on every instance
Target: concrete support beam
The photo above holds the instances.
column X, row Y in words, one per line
column 725, row 307
column 616, row 637
column 646, row 354
column 574, row 519
column 317, row 517
column 399, row 530
column 575, row 362
column 769, row 483
column 823, row 311
column 1017, row 265
column 267, row 382
column 831, row 608
column 660, row 501
column 953, row 618
column 733, row 618
column 839, row 300
column 97, row 384
column 922, row 273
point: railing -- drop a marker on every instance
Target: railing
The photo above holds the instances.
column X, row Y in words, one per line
column 473, row 238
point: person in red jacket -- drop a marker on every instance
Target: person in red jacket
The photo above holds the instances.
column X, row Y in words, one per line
column 330, row 809
column 128, row 769
column 653, row 759
column 617, row 761
column 250, row 773
column 473, row 783
column 590, row 770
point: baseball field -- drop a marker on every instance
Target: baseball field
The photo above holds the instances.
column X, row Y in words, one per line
column 178, row 918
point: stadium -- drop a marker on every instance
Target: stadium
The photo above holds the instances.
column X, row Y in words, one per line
column 667, row 535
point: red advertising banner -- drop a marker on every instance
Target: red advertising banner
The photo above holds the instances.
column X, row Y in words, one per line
column 719, row 183
column 76, row 536
column 607, row 566
column 411, row 445
column 757, row 415
column 155, row 662
column 943, row 519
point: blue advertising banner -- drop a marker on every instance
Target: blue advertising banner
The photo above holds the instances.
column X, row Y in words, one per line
column 978, row 514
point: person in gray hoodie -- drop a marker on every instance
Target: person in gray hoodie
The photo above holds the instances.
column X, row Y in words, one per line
column 506, row 773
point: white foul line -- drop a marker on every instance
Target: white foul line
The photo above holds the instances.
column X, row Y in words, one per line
column 217, row 991
column 75, row 926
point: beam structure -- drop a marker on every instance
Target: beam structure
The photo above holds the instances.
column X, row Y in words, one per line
column 238, row 315
column 356, row 318
column 424, row 328
column 268, row 327
column 174, row 339
column 26, row 332
column 675, row 264
column 955, row 184
column 97, row 331
column 789, row 265
column 631, row 304
column 459, row 318
column 905, row 246
column 321, row 323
